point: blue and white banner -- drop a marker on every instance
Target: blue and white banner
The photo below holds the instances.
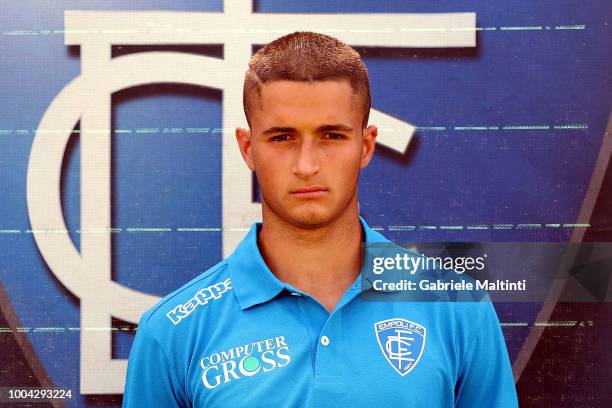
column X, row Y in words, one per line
column 120, row 178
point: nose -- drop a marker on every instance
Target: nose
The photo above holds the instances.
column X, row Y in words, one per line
column 306, row 164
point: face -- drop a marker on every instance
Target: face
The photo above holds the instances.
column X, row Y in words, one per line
column 307, row 146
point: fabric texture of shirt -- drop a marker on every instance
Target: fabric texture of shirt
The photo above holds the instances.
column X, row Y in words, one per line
column 237, row 336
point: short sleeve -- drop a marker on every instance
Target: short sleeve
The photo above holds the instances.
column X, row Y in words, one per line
column 151, row 379
column 485, row 376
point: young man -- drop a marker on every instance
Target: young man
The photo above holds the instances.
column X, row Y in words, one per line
column 280, row 323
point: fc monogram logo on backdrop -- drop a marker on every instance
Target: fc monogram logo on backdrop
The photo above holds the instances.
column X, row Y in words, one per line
column 402, row 343
column 86, row 271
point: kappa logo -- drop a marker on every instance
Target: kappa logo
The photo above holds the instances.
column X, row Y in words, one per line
column 402, row 343
column 201, row 298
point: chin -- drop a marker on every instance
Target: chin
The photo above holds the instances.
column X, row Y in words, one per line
column 310, row 215
column 310, row 219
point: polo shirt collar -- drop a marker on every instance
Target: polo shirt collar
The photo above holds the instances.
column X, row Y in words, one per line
column 253, row 282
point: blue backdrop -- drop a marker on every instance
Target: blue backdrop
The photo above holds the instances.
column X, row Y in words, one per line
column 507, row 137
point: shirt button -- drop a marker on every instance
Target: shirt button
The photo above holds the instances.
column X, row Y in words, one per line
column 296, row 294
column 325, row 340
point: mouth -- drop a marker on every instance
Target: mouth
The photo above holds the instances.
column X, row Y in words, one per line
column 309, row 192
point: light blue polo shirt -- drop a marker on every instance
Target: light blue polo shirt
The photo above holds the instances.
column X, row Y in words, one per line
column 236, row 336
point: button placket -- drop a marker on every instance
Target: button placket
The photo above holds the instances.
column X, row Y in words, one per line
column 328, row 364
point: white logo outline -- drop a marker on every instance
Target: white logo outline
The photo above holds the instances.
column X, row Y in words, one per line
column 87, row 273
column 387, row 349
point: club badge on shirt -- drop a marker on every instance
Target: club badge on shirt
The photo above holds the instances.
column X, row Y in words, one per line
column 402, row 343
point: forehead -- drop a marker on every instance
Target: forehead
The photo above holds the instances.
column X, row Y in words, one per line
column 293, row 102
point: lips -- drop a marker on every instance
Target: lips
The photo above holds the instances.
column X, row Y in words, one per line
column 309, row 189
column 313, row 191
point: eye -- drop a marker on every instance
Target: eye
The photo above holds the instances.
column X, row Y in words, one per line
column 279, row 138
column 334, row 136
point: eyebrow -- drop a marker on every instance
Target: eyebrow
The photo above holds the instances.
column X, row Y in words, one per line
column 320, row 129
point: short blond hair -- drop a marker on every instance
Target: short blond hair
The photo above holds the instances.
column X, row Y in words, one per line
column 305, row 56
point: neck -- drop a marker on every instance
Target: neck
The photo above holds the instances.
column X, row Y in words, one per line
column 322, row 261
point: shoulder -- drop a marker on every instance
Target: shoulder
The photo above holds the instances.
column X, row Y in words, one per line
column 476, row 324
column 179, row 306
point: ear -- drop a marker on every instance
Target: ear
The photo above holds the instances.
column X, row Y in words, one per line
column 369, row 142
column 243, row 137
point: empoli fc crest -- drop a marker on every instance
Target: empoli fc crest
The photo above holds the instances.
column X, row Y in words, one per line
column 402, row 343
